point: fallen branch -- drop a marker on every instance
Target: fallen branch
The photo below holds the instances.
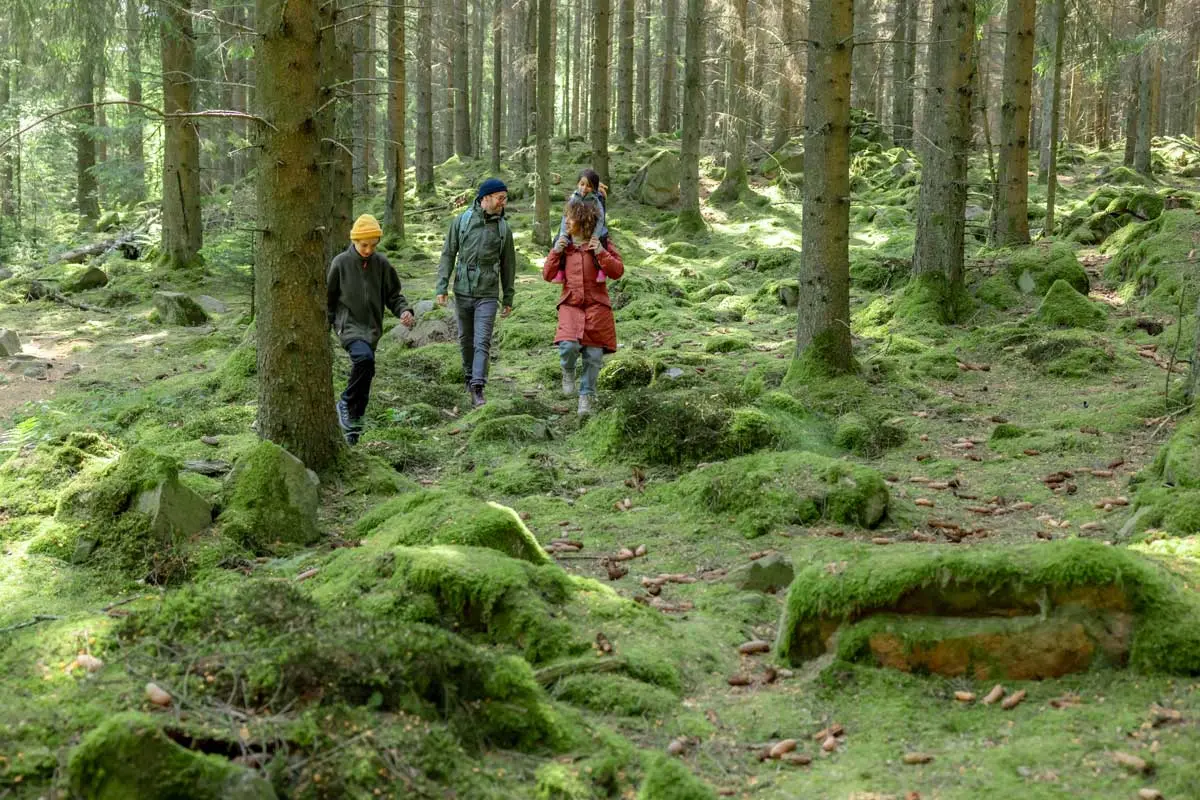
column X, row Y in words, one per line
column 30, row 623
column 548, row 676
column 39, row 291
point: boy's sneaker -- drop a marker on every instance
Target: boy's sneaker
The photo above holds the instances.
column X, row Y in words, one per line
column 568, row 383
column 585, row 404
column 477, row 396
column 351, row 437
column 343, row 415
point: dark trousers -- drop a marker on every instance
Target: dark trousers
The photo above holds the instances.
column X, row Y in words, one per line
column 476, row 320
column 362, row 372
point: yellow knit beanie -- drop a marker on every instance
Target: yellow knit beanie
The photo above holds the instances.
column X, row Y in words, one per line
column 365, row 227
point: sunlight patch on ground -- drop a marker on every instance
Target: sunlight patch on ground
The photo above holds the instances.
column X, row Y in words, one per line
column 871, row 238
column 146, row 337
column 1182, row 554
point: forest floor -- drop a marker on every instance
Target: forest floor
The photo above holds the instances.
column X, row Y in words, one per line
column 923, row 413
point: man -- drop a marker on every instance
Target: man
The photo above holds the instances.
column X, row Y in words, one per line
column 479, row 251
column 361, row 282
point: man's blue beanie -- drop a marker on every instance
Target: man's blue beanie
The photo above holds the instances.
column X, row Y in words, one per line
column 490, row 186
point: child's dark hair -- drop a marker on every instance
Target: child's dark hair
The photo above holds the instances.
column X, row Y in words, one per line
column 585, row 214
column 593, row 178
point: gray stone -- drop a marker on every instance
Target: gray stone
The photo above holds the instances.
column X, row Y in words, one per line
column 211, row 304
column 5, row 273
column 973, row 213
column 174, row 509
column 10, row 343
column 789, row 295
column 788, row 159
column 271, row 497
column 176, row 308
column 211, row 468
column 657, row 182
column 423, row 307
column 84, row 279
column 771, row 573
column 108, row 220
column 35, row 372
column 427, row 331
column 73, row 369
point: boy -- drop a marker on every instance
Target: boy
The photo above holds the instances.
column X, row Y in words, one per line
column 361, row 282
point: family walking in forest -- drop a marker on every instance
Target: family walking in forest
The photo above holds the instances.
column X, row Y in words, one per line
column 479, row 257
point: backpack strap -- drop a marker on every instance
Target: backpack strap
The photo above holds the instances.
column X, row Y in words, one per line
column 464, row 219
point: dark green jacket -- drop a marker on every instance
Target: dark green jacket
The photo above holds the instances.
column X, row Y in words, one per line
column 483, row 264
column 358, row 290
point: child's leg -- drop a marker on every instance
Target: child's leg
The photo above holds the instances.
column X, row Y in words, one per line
column 593, row 359
column 464, row 310
column 362, row 372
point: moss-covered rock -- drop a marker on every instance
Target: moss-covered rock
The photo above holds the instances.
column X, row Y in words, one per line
column 867, row 436
column 129, row 757
column 1153, row 261
column 177, row 308
column 761, row 492
column 272, row 500
column 667, row 779
column 657, row 182
column 1035, row 268
column 780, row 262
column 436, row 517
column 627, row 371
column 615, row 694
column 513, row 429
column 1169, row 494
column 1070, row 579
column 713, row 290
column 1063, row 307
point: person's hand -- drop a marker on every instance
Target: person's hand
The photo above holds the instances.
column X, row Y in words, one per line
column 603, row 190
column 440, row 299
column 593, row 244
column 407, row 319
column 560, row 244
column 504, row 312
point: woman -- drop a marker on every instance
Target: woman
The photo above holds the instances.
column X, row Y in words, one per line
column 585, row 317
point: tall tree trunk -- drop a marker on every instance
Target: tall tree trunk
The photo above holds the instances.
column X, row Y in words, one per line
column 497, row 86
column 462, row 97
column 602, row 22
column 666, row 88
column 823, row 313
column 8, row 205
column 529, row 82
column 754, row 94
column 1131, row 114
column 1192, row 392
column 1059, row 23
column 182, row 231
column 424, row 154
column 1156, row 77
column 735, row 182
column 938, row 280
column 397, row 151
column 690, row 220
column 477, row 48
column 1145, row 116
column 625, row 29
column 1046, row 80
column 337, row 165
column 364, row 96
column 643, row 73
column 902, row 87
column 789, row 83
column 87, row 191
column 101, row 110
column 295, row 373
column 544, row 126
column 1194, row 77
column 1010, row 211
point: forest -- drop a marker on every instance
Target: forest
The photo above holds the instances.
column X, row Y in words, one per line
column 583, row 399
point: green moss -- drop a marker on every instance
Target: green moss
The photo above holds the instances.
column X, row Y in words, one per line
column 1063, row 307
column 667, row 779
column 560, row 782
column 713, row 290
column 998, row 292
column 1035, row 268
column 665, row 426
column 872, row 271
column 938, row 364
column 726, row 344
column 515, row 429
column 438, row 517
column 761, row 492
column 532, row 471
column 403, row 448
column 778, row 262
column 1006, row 430
column 931, row 297
column 1154, row 263
column 627, row 371
column 615, row 694
column 867, row 436
column 237, row 377
column 129, row 756
column 272, row 499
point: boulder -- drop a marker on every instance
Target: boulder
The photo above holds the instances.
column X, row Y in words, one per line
column 657, row 182
column 176, row 308
column 426, row 331
column 211, row 304
column 1035, row 268
column 768, row 574
column 10, row 344
column 788, row 159
column 174, row 510
column 271, row 498
column 81, row 280
column 130, row 756
column 423, row 307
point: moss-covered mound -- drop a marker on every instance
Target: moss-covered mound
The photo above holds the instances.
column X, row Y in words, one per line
column 1153, row 261
column 1107, row 210
column 129, row 757
column 627, row 371
column 868, row 435
column 1097, row 587
column 667, row 779
column 260, row 642
column 436, row 517
column 1063, row 307
column 271, row 500
column 760, row 492
column 31, row 478
column 1035, row 268
column 1169, row 496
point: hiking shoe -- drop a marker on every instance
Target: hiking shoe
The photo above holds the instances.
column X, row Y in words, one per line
column 351, row 437
column 343, row 415
column 585, row 404
column 477, row 395
column 568, row 383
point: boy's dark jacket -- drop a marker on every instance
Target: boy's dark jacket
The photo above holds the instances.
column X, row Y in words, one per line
column 483, row 262
column 359, row 289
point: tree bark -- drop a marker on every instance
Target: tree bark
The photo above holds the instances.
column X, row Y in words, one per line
column 544, row 126
column 477, row 48
column 1010, row 211
column 823, row 313
column 789, row 83
column 182, row 231
column 295, row 383
column 364, row 88
column 938, row 252
column 424, row 154
column 602, row 21
column 625, row 28
column 337, row 165
column 8, row 206
column 735, row 182
column 497, row 86
column 87, row 191
column 1192, row 392
column 666, row 89
column 460, row 66
column 1145, row 94
column 397, row 151
column 902, row 88
column 643, row 73
column 1059, row 23
column 693, row 103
